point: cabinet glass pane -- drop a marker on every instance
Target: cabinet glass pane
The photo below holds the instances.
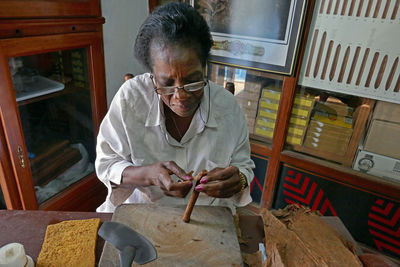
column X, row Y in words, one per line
column 355, row 132
column 256, row 92
column 53, row 96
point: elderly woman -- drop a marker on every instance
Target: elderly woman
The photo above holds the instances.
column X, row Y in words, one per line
column 163, row 124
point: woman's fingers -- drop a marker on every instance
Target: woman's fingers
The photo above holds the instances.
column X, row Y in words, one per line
column 179, row 186
column 221, row 183
column 164, row 169
column 163, row 180
column 220, row 189
column 173, row 168
column 219, row 174
column 225, row 193
column 178, row 189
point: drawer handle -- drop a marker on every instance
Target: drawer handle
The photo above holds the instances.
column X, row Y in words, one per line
column 21, row 157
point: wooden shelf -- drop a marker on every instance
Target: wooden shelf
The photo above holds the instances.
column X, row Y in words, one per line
column 81, row 196
column 69, row 89
column 343, row 175
column 260, row 148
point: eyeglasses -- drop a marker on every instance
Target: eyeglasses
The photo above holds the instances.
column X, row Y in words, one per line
column 170, row 90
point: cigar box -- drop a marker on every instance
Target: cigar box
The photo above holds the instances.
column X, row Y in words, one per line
column 301, row 111
column 337, row 148
column 295, row 134
column 267, row 113
column 325, row 138
column 269, row 123
column 304, row 101
column 345, row 122
column 387, row 111
column 268, row 103
column 264, row 131
column 271, row 114
column 300, row 121
column 333, row 108
column 333, row 137
column 296, row 130
column 271, row 93
column 291, row 138
column 320, row 127
column 265, row 122
column 294, row 139
column 383, row 138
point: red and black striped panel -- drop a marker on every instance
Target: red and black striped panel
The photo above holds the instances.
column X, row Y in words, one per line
column 257, row 185
column 370, row 219
column 299, row 189
column 384, row 225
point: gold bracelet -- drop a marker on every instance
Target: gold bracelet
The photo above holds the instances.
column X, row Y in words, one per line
column 243, row 181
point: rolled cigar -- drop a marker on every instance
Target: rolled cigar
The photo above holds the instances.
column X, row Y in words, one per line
column 193, row 197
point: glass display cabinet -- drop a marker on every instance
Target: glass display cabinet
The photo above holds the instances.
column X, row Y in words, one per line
column 53, row 100
column 52, row 91
column 336, row 115
column 327, row 137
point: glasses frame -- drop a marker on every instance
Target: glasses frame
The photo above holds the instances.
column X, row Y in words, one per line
column 175, row 88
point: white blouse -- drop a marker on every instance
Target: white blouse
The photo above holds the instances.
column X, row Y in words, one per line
column 133, row 133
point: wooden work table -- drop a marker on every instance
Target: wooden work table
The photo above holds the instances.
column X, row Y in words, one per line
column 29, row 228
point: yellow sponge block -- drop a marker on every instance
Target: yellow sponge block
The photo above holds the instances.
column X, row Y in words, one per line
column 69, row 243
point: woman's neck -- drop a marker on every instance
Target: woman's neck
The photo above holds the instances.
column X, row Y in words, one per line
column 176, row 126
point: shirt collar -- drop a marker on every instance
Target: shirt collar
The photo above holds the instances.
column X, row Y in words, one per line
column 156, row 114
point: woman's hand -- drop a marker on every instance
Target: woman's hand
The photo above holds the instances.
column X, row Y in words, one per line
column 220, row 182
column 158, row 174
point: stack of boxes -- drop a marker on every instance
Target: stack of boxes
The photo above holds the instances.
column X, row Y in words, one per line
column 330, row 127
column 248, row 100
column 384, row 132
column 381, row 153
column 267, row 113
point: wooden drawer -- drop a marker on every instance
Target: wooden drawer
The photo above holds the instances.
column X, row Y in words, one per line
column 42, row 9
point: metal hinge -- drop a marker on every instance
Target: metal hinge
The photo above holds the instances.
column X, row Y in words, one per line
column 21, row 156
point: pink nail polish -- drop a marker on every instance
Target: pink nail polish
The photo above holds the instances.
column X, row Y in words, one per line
column 199, row 188
column 203, row 180
column 190, row 184
column 188, row 177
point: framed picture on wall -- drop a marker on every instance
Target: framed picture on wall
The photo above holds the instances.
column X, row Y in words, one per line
column 255, row 34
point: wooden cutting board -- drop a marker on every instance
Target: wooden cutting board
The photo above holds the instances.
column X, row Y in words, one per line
column 209, row 239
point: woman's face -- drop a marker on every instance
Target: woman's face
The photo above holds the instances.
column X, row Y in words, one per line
column 177, row 66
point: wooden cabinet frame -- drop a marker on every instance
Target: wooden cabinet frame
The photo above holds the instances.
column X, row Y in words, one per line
column 40, row 8
column 11, row 124
column 277, row 155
